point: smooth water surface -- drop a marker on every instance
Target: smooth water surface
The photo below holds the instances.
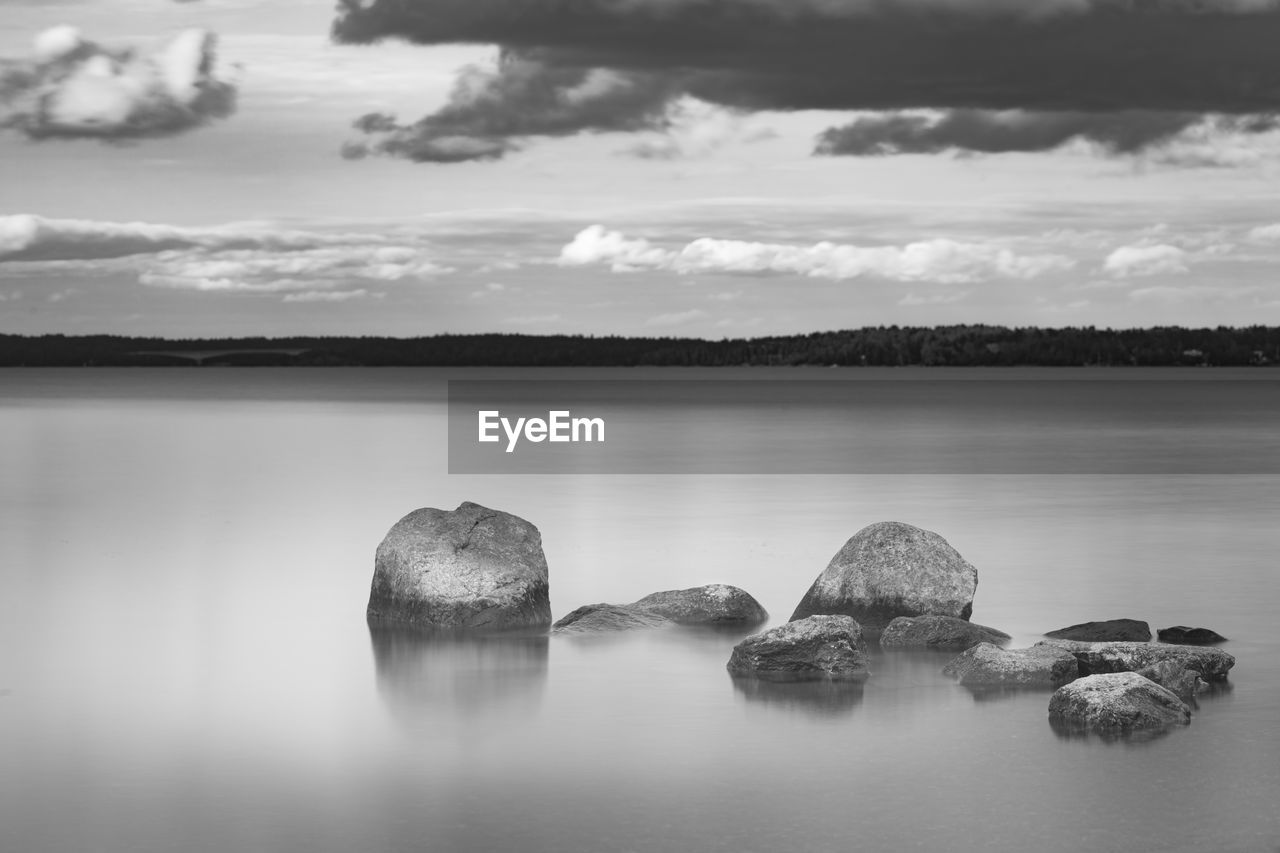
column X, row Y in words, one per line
column 184, row 662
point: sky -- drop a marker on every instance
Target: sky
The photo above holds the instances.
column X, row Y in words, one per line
column 711, row 168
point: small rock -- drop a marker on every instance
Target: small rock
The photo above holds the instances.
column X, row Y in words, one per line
column 1169, row 674
column 1183, row 635
column 987, row 665
column 1119, row 701
column 714, row 604
column 1101, row 632
column 811, row 649
column 606, row 617
column 1095, row 658
column 892, row 569
column 939, row 632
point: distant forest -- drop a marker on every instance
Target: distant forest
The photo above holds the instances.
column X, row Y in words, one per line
column 960, row 346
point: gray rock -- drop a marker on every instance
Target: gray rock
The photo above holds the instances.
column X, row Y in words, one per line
column 591, row 618
column 472, row 568
column 939, row 632
column 986, row 665
column 1169, row 674
column 1119, row 701
column 811, row 649
column 1102, row 632
column 1189, row 636
column 888, row 570
column 714, row 604
column 1095, row 658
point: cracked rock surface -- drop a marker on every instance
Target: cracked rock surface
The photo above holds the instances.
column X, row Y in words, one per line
column 472, row 567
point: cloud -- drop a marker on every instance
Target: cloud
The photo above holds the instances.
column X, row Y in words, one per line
column 75, row 88
column 1113, row 71
column 1265, row 233
column 939, row 259
column 330, row 296
column 996, row 132
column 676, row 318
column 1139, row 261
column 253, row 270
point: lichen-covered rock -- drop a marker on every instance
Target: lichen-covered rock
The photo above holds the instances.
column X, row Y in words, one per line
column 1169, row 674
column 810, row 649
column 1183, row 635
column 1095, row 658
column 939, row 632
column 1111, row 630
column 471, row 568
column 713, row 604
column 892, row 569
column 1116, row 702
column 987, row 665
column 591, row 618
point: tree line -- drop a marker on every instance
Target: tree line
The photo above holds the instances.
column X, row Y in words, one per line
column 879, row 346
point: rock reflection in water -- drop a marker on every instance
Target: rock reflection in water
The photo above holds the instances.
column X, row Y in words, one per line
column 820, row 698
column 421, row 674
column 1072, row 731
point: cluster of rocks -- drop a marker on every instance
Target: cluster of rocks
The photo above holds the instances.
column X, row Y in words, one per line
column 900, row 586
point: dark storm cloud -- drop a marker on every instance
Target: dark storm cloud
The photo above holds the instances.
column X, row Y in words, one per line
column 75, row 88
column 1126, row 58
column 979, row 131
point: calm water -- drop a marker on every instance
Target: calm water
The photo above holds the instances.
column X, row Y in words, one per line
column 184, row 662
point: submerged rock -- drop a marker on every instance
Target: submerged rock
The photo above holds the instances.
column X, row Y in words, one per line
column 606, row 617
column 471, row 568
column 1114, row 702
column 892, row 569
column 1183, row 635
column 713, row 604
column 1094, row 658
column 810, row 649
column 987, row 665
column 939, row 632
column 1107, row 631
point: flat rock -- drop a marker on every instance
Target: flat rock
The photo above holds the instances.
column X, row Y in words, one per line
column 891, row 569
column 1118, row 701
column 1107, row 631
column 591, row 618
column 1095, row 658
column 939, row 632
column 812, row 649
column 713, row 604
column 987, row 665
column 1183, row 635
column 470, row 568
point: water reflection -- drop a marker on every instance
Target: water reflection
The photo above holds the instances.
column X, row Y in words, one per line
column 1071, row 731
column 819, row 698
column 422, row 674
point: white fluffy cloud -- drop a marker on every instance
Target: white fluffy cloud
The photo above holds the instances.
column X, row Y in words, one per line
column 939, row 259
column 254, row 270
column 1137, row 261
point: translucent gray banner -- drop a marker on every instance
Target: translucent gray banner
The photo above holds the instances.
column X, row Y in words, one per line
column 942, row 426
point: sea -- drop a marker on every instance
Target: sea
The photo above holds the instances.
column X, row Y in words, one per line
column 185, row 664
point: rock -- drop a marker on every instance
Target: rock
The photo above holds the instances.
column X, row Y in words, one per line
column 714, row 604
column 939, row 632
column 606, row 617
column 1100, row 632
column 1169, row 674
column 810, row 649
column 1189, row 636
column 987, row 665
column 1119, row 701
column 1095, row 658
column 888, row 570
column 472, row 568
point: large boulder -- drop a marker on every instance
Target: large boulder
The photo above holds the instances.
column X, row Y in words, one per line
column 1095, row 658
column 1107, row 631
column 1117, row 702
column 472, row 568
column 1183, row 635
column 592, row 618
column 892, row 569
column 713, row 604
column 811, row 649
column 987, row 665
column 939, row 632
